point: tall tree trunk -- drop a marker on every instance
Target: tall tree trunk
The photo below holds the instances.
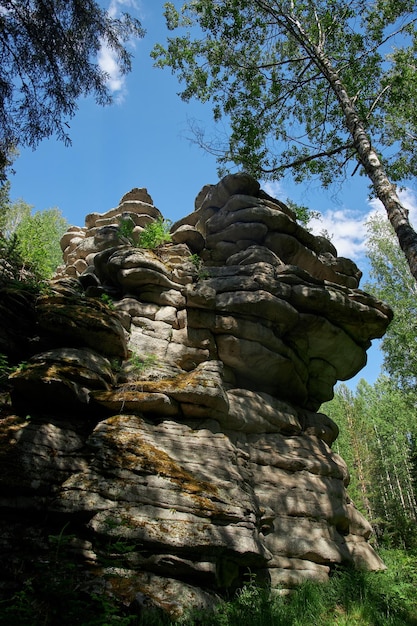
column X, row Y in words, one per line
column 358, row 453
column 384, row 189
column 403, row 455
column 388, row 481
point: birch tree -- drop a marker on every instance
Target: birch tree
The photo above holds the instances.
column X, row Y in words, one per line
column 377, row 440
column 354, row 445
column 390, row 281
column 320, row 88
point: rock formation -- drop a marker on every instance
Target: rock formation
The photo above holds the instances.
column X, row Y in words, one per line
column 165, row 414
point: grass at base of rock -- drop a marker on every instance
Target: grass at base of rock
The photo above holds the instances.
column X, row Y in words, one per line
column 350, row 598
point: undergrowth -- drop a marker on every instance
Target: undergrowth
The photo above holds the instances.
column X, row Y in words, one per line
column 350, row 598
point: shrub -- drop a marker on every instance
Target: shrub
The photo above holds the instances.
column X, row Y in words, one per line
column 155, row 233
column 197, row 261
column 108, row 301
column 138, row 364
column 126, row 228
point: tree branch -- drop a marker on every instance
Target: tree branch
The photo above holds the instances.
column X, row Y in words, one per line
column 375, row 102
column 311, row 157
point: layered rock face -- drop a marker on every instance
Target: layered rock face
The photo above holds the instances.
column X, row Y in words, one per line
column 173, row 396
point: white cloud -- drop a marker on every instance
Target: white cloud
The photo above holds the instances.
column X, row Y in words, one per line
column 107, row 61
column 273, row 188
column 408, row 199
column 107, row 58
column 346, row 229
column 116, row 5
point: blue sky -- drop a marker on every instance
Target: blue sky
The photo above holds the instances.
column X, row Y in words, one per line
column 135, row 143
column 141, row 141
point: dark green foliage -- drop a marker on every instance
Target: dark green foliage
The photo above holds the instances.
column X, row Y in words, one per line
column 153, row 235
column 106, row 299
column 302, row 213
column 38, row 236
column 350, row 598
column 56, row 599
column 312, row 88
column 378, row 424
column 11, row 258
column 48, row 53
column 198, row 263
column 30, row 248
column 29, row 243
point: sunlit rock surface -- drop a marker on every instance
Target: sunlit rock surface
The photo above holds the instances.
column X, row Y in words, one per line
column 175, row 433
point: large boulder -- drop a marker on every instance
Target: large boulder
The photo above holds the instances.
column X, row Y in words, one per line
column 166, row 409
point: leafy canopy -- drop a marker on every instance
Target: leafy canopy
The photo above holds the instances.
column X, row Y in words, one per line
column 48, row 54
column 260, row 64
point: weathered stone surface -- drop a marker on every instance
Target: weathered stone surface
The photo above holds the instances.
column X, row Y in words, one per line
column 189, row 235
column 267, row 370
column 253, row 412
column 163, row 296
column 243, row 209
column 138, row 194
column 238, row 231
column 201, row 387
column 35, row 457
column 259, row 303
column 69, row 236
column 218, row 195
column 296, row 572
column 174, row 596
column 254, row 254
column 347, row 308
column 64, row 376
column 130, row 397
column 319, row 425
column 82, row 322
column 173, row 397
column 292, row 252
